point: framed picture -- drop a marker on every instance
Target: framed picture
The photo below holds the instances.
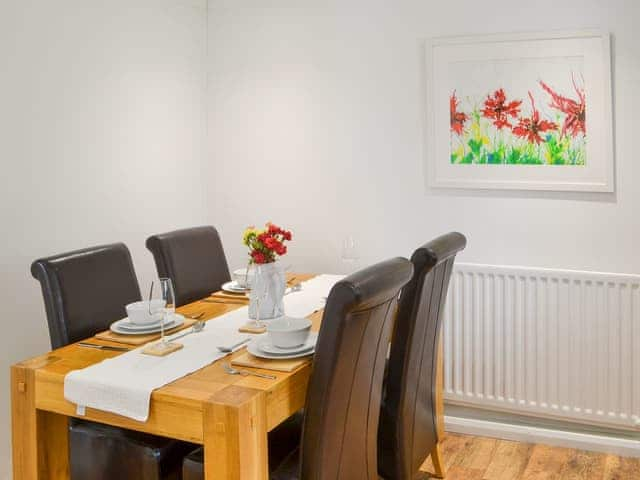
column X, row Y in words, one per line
column 520, row 112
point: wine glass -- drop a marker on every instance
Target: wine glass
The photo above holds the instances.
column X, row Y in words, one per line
column 260, row 297
column 162, row 303
column 349, row 254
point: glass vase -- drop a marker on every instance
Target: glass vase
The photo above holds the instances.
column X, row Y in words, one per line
column 267, row 291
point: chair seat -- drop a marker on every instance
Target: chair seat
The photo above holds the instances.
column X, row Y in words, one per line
column 284, row 440
column 103, row 452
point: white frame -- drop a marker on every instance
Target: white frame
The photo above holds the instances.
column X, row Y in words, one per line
column 598, row 173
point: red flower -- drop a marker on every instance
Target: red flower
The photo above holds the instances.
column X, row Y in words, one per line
column 457, row 118
column 286, row 235
column 575, row 111
column 530, row 128
column 281, row 249
column 258, row 257
column 497, row 109
column 272, row 243
column 273, row 229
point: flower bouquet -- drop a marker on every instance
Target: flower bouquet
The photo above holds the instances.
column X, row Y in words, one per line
column 265, row 246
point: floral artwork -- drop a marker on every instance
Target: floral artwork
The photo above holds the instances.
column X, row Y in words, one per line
column 509, row 112
column 548, row 127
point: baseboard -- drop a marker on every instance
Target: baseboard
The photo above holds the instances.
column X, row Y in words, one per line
column 559, row 438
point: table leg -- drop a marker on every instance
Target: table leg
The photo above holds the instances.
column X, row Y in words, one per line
column 39, row 439
column 436, row 453
column 235, row 435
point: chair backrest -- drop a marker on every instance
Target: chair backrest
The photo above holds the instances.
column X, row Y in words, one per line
column 345, row 388
column 407, row 420
column 86, row 290
column 193, row 258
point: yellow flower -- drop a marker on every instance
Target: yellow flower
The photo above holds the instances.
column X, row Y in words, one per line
column 249, row 234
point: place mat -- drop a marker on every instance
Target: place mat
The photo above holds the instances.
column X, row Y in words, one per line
column 289, row 365
column 230, row 296
column 141, row 339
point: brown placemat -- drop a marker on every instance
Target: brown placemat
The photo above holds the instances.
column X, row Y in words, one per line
column 230, row 296
column 141, row 339
column 248, row 360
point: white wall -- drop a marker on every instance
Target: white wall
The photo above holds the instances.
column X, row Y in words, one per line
column 318, row 107
column 101, row 118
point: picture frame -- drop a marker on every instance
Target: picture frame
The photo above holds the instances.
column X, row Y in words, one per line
column 530, row 111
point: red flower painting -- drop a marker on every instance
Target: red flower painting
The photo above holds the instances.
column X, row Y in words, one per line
column 575, row 111
column 531, row 127
column 497, row 109
column 458, row 119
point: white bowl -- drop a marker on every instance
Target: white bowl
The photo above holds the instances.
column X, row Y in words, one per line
column 243, row 278
column 138, row 312
column 288, row 332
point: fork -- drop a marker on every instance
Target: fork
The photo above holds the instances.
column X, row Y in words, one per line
column 234, row 371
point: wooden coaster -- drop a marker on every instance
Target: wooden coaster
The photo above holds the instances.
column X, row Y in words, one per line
column 251, row 328
column 160, row 349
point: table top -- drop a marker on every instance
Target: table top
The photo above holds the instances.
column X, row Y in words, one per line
column 175, row 409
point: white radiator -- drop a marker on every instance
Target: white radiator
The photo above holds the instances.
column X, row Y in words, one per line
column 552, row 343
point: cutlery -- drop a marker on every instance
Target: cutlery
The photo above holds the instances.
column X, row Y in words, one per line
column 103, row 347
column 195, row 317
column 197, row 327
column 230, row 349
column 233, row 371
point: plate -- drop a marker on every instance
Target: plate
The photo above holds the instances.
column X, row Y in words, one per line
column 126, row 324
column 123, row 326
column 267, row 347
column 233, row 287
column 254, row 349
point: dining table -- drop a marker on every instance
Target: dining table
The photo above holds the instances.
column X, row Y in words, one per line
column 230, row 415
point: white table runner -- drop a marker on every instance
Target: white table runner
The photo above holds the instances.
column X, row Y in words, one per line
column 123, row 384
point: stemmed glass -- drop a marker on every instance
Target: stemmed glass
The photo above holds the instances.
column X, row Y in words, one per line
column 349, row 254
column 260, row 296
column 162, row 304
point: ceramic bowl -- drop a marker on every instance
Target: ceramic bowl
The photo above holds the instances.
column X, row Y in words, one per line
column 242, row 278
column 288, row 332
column 138, row 312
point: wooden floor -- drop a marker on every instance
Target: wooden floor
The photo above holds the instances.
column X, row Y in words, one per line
column 478, row 458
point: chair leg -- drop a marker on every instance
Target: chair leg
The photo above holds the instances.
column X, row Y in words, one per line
column 438, row 462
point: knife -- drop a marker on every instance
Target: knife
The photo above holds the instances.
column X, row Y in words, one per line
column 103, row 347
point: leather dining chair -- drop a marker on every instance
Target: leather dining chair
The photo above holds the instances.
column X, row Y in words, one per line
column 193, row 258
column 84, row 291
column 408, row 430
column 340, row 421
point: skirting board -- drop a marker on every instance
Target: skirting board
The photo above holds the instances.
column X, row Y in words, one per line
column 558, row 438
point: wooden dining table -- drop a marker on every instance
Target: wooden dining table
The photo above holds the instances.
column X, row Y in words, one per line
column 229, row 414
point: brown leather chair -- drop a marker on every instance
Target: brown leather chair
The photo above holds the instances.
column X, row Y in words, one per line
column 84, row 291
column 345, row 388
column 408, row 423
column 193, row 259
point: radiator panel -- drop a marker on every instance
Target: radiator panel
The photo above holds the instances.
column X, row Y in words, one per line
column 554, row 343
